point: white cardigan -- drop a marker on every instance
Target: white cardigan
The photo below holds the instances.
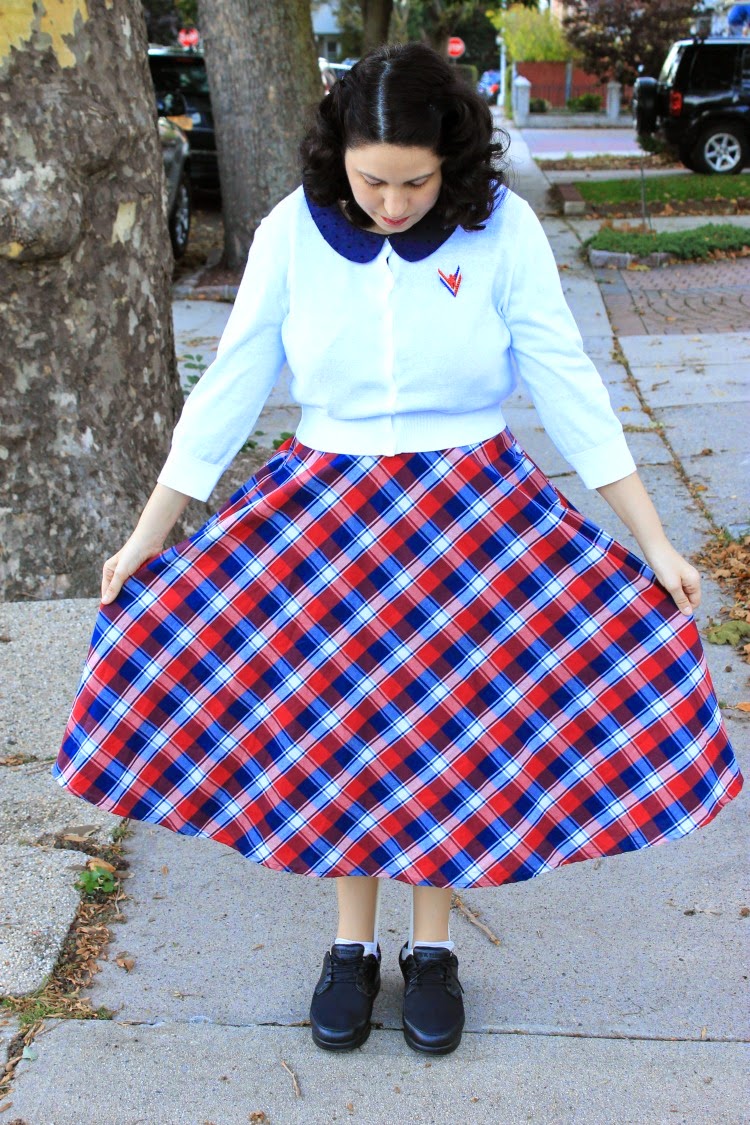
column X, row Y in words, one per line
column 397, row 344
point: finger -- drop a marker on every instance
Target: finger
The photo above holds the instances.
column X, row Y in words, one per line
column 114, row 587
column 108, row 570
column 682, row 602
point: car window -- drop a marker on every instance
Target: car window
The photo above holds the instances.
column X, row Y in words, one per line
column 745, row 71
column 713, row 68
column 672, row 62
column 180, row 74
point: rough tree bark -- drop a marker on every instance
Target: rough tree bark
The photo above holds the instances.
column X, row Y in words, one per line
column 376, row 20
column 264, row 77
column 89, row 389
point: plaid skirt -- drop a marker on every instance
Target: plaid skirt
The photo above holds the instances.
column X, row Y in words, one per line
column 428, row 667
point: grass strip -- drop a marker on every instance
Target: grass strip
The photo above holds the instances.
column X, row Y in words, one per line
column 698, row 242
column 665, row 189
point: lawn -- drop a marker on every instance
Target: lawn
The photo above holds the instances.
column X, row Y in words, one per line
column 665, row 189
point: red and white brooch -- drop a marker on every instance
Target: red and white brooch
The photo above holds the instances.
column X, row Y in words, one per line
column 452, row 281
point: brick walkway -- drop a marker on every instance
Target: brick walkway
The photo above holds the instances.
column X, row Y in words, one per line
column 695, row 299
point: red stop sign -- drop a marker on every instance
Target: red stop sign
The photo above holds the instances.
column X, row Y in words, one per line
column 456, row 47
column 188, row 37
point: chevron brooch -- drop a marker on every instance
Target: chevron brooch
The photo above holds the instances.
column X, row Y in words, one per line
column 452, row 281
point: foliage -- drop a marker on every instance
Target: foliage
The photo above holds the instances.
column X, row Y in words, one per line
column 539, row 105
column 530, row 35
column 685, row 244
column 616, row 37
column 96, row 879
column 349, row 18
column 585, row 103
column 164, row 18
column 469, row 73
column 665, row 189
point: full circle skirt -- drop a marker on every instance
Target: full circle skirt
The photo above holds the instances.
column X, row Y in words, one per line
column 429, row 667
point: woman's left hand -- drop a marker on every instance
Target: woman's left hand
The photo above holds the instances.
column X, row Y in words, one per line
column 677, row 575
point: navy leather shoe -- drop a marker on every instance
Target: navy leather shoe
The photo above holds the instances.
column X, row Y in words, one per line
column 433, row 1011
column 343, row 998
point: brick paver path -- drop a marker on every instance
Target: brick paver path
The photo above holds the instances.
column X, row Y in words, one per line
column 696, row 298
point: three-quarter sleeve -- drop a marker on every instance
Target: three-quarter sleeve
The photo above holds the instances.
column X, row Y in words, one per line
column 547, row 352
column 221, row 410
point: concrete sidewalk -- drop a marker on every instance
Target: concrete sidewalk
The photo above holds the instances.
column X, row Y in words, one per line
column 608, row 992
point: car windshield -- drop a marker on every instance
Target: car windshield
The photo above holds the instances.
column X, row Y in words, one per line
column 671, row 63
column 186, row 75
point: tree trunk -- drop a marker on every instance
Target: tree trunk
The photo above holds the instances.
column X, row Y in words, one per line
column 90, row 393
column 263, row 72
column 376, row 19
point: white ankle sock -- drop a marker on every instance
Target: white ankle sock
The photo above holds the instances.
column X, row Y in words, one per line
column 370, row 946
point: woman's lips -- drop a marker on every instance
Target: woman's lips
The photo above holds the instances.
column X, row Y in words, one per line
column 394, row 222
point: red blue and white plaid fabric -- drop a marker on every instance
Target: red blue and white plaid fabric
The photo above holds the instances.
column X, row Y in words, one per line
column 428, row 667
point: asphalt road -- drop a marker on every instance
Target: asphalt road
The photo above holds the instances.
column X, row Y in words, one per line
column 556, row 144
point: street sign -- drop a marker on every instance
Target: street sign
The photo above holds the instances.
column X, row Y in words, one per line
column 456, row 47
column 188, row 37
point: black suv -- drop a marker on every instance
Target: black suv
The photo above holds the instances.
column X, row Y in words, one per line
column 700, row 104
column 180, row 70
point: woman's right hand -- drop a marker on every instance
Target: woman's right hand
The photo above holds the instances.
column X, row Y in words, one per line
column 125, row 562
column 165, row 506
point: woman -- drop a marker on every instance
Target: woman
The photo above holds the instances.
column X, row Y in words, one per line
column 399, row 651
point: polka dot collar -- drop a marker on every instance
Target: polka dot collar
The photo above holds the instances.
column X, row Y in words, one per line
column 421, row 240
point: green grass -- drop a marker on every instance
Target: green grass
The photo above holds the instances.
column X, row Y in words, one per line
column 687, row 244
column 665, row 189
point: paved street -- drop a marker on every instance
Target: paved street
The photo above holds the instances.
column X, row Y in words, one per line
column 692, row 298
column 611, row 992
column 556, row 144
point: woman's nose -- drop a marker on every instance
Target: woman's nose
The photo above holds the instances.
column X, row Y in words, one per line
column 394, row 205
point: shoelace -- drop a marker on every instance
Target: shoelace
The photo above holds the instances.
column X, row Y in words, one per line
column 444, row 970
column 345, row 971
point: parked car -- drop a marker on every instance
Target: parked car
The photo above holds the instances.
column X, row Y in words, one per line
column 331, row 72
column 489, row 86
column 175, row 152
column 700, row 104
column 183, row 70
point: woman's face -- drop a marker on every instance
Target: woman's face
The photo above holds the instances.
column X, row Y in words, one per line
column 396, row 185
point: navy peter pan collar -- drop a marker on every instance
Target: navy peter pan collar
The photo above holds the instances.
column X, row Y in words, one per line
column 421, row 240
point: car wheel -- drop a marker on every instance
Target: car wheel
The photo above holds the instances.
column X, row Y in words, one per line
column 721, row 150
column 643, row 105
column 179, row 220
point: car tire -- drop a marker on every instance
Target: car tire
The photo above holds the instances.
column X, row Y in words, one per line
column 721, row 149
column 179, row 219
column 643, row 105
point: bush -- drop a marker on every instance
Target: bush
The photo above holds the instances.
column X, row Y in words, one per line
column 685, row 244
column 585, row 103
column 539, row 105
column 469, row 73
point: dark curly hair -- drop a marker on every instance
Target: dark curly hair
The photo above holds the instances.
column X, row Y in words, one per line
column 406, row 94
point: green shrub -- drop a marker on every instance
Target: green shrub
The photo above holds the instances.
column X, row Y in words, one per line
column 585, row 103
column 685, row 244
column 539, row 105
column 469, row 73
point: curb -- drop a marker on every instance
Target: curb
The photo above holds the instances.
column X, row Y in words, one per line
column 205, row 292
column 573, row 202
column 620, row 260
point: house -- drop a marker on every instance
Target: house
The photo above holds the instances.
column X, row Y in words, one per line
column 327, row 31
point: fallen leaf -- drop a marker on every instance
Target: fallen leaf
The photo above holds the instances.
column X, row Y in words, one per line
column 125, row 960
column 94, row 861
